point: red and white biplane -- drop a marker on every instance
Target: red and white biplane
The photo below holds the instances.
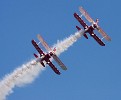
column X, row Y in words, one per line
column 45, row 57
column 90, row 29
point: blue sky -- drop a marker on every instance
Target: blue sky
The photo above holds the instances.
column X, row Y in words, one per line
column 94, row 72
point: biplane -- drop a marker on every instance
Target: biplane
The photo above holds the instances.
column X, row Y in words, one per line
column 90, row 29
column 45, row 57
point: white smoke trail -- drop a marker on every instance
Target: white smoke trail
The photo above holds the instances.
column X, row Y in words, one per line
column 63, row 45
column 23, row 75
column 27, row 73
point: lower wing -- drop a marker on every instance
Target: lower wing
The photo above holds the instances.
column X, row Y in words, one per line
column 54, row 68
column 37, row 47
column 97, row 38
column 80, row 20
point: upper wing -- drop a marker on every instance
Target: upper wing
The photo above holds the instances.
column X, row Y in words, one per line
column 87, row 16
column 43, row 43
column 37, row 48
column 103, row 34
column 80, row 20
column 54, row 68
column 59, row 62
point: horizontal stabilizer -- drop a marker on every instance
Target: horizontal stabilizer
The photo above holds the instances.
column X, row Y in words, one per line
column 84, row 33
column 78, row 28
column 36, row 56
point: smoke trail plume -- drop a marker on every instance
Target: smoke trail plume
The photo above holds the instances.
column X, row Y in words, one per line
column 27, row 73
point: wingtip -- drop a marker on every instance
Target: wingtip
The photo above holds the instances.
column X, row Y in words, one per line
column 64, row 68
column 109, row 39
column 80, row 7
column 38, row 35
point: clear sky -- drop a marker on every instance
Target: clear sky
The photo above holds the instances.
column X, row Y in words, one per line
column 94, row 72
